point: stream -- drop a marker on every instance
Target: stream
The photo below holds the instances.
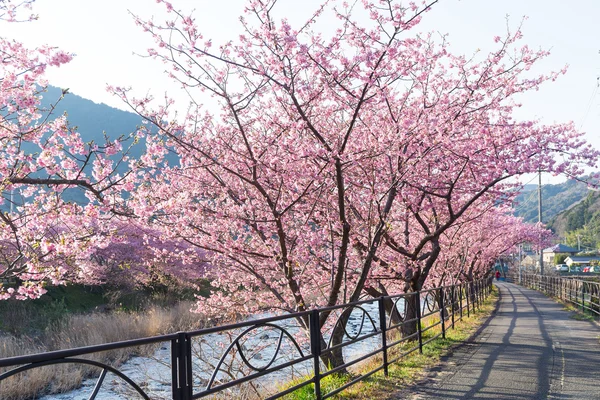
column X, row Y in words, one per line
column 153, row 374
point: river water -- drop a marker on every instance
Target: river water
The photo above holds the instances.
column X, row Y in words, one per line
column 153, row 374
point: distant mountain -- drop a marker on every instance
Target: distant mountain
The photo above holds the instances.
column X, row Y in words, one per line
column 93, row 120
column 555, row 199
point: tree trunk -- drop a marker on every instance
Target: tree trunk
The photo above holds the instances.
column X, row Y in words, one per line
column 335, row 358
column 470, row 286
column 414, row 285
column 389, row 305
column 411, row 305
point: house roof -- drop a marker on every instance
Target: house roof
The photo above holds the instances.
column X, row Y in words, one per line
column 560, row 248
column 583, row 259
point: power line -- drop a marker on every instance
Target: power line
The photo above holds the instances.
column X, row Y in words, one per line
column 590, row 102
column 527, row 200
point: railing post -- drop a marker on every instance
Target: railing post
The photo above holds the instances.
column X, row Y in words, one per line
column 560, row 288
column 570, row 284
column 468, row 298
column 315, row 348
column 475, row 295
column 453, row 301
column 478, row 294
column 181, row 371
column 474, row 299
column 176, row 392
column 383, row 329
column 442, row 312
column 417, row 301
column 583, row 297
column 460, row 297
column 482, row 286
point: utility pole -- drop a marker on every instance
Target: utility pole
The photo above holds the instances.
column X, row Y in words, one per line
column 540, row 220
column 520, row 266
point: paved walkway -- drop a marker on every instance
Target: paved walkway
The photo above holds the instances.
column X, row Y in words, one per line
column 530, row 349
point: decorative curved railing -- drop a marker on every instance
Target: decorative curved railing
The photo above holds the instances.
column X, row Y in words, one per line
column 245, row 359
column 202, row 363
column 104, row 367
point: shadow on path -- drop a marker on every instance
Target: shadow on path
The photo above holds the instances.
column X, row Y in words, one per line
column 522, row 351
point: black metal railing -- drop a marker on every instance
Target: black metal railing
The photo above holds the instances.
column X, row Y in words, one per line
column 583, row 294
column 226, row 359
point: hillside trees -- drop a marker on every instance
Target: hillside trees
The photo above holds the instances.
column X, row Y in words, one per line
column 42, row 237
column 587, row 237
column 334, row 159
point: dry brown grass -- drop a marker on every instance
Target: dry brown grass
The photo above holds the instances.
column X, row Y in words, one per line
column 87, row 330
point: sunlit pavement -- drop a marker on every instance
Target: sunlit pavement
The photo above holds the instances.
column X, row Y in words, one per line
column 531, row 348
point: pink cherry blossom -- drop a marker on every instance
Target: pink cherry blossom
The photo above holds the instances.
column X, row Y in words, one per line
column 334, row 165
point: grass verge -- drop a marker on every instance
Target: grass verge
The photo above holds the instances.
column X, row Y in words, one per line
column 577, row 313
column 405, row 372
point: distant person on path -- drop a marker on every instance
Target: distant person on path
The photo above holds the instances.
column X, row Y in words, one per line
column 497, row 275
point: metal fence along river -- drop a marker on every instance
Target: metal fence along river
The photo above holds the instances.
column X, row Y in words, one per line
column 258, row 353
column 583, row 294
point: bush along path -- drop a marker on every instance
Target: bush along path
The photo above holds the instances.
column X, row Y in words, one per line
column 532, row 348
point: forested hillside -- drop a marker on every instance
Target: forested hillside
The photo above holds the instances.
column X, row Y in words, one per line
column 556, row 199
column 580, row 225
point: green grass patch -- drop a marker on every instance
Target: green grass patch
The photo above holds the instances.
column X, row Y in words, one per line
column 408, row 370
column 307, row 392
column 582, row 317
column 20, row 317
column 577, row 314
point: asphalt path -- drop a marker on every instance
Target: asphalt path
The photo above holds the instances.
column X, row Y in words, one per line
column 531, row 348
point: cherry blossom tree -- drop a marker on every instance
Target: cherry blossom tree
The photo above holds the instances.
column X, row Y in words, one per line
column 469, row 146
column 273, row 197
column 42, row 237
column 138, row 256
column 470, row 249
column 333, row 160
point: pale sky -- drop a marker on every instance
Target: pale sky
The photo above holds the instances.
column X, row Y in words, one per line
column 104, row 38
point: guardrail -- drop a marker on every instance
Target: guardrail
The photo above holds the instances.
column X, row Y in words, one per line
column 198, row 365
column 584, row 295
